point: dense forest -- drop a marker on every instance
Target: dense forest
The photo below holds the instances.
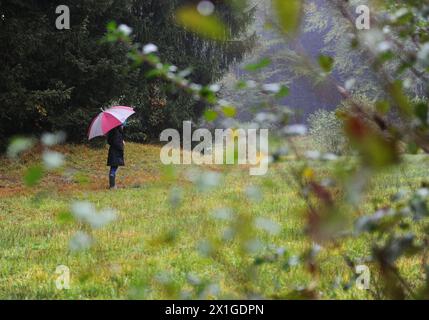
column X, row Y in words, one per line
column 58, row 79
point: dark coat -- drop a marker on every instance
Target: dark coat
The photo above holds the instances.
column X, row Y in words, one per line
column 115, row 139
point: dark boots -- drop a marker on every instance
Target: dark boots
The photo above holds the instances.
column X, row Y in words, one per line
column 112, row 184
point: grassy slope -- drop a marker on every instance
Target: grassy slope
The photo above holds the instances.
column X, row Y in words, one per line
column 130, row 252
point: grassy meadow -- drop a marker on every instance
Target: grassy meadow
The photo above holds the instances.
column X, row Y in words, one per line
column 156, row 250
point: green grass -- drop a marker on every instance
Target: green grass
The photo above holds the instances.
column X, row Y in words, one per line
column 150, row 237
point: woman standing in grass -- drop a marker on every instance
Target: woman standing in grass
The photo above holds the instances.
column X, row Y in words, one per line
column 115, row 159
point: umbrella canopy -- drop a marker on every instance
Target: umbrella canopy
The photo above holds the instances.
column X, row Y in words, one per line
column 109, row 119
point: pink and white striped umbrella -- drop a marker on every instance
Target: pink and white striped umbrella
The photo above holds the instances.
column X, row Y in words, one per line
column 109, row 119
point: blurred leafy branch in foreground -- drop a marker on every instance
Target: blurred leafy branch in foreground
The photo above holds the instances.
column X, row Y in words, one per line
column 332, row 206
column 397, row 230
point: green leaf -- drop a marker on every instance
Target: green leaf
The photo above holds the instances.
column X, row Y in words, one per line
column 229, row 111
column 398, row 95
column 153, row 73
column 382, row 106
column 210, row 115
column 421, row 111
column 284, row 92
column 206, row 26
column 33, row 175
column 136, row 58
column 326, row 63
column 112, row 26
column 240, row 85
column 289, row 14
column 375, row 149
column 263, row 63
column 208, row 94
